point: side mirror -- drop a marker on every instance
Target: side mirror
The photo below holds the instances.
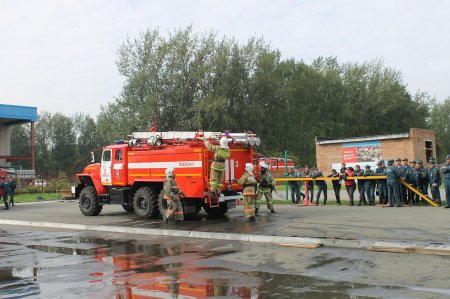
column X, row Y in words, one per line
column 92, row 157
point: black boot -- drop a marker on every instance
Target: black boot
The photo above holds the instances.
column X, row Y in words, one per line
column 256, row 211
column 272, row 211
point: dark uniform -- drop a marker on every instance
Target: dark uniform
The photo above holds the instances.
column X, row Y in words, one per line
column 295, row 187
column 393, row 184
column 369, row 185
column 382, row 183
column 435, row 183
column 360, row 186
column 12, row 186
column 321, row 187
column 410, row 178
column 403, row 190
column 336, row 186
column 6, row 190
column 422, row 178
column 310, row 184
column 446, row 171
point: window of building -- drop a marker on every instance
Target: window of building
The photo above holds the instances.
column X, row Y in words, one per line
column 428, row 150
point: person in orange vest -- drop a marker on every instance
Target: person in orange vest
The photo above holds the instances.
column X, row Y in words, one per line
column 172, row 196
column 221, row 153
column 249, row 182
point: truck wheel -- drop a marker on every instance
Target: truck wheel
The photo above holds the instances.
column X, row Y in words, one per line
column 220, row 211
column 88, row 202
column 145, row 203
column 128, row 208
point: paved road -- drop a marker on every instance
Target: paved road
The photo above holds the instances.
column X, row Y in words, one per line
column 417, row 224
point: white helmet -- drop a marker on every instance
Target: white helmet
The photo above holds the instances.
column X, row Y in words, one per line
column 249, row 167
column 169, row 172
column 224, row 142
column 263, row 165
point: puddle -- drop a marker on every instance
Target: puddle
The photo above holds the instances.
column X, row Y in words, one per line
column 74, row 265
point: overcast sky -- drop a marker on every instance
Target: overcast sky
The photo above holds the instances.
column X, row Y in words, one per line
column 60, row 55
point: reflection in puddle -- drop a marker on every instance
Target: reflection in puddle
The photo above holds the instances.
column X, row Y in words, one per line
column 49, row 265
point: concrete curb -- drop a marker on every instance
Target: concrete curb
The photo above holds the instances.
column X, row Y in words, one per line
column 168, row 232
column 299, row 242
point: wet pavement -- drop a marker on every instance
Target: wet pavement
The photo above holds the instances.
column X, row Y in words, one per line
column 413, row 224
column 55, row 264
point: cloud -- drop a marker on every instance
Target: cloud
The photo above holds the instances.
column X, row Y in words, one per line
column 60, row 55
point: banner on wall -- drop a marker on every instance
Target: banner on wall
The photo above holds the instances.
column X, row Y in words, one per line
column 369, row 151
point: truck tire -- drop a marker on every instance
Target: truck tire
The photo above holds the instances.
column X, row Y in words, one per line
column 220, row 211
column 145, row 203
column 128, row 208
column 88, row 202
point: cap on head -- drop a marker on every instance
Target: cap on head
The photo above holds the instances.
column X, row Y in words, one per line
column 413, row 161
column 447, row 157
column 405, row 159
column 390, row 162
column 367, row 167
column 432, row 162
column 398, row 160
column 223, row 142
column 420, row 162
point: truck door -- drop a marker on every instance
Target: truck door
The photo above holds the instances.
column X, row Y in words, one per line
column 119, row 167
column 106, row 167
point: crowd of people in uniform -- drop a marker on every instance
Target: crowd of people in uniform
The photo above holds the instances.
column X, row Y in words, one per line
column 7, row 189
column 391, row 192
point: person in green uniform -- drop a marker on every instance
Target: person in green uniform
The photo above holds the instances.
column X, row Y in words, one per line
column 393, row 184
column 266, row 184
column 221, row 153
column 249, row 182
column 172, row 196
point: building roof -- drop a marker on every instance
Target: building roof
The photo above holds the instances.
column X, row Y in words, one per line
column 327, row 140
column 13, row 114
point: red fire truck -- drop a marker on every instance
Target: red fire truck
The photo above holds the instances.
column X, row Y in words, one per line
column 277, row 165
column 132, row 173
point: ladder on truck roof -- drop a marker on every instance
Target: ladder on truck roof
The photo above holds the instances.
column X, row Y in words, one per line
column 247, row 138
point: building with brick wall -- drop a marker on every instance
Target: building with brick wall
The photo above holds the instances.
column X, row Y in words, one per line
column 417, row 144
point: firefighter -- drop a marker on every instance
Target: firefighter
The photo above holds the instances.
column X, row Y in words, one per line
column 410, row 177
column 381, row 183
column 321, row 187
column 266, row 185
column 6, row 190
column 249, row 182
column 369, row 185
column 172, row 196
column 12, row 186
column 336, row 186
column 445, row 169
column 435, row 182
column 221, row 153
column 393, row 184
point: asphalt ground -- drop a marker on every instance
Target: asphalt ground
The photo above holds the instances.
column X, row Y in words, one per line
column 405, row 224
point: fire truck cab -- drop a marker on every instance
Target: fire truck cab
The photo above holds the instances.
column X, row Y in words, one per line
column 132, row 173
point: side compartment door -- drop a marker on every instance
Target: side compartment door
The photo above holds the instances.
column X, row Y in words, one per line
column 105, row 170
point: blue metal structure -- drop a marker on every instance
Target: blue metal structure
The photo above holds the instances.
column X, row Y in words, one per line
column 13, row 114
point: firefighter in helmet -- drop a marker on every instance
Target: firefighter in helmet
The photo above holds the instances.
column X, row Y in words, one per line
column 249, row 183
column 266, row 185
column 172, row 196
column 221, row 153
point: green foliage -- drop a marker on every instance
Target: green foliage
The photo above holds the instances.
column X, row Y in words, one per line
column 197, row 81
